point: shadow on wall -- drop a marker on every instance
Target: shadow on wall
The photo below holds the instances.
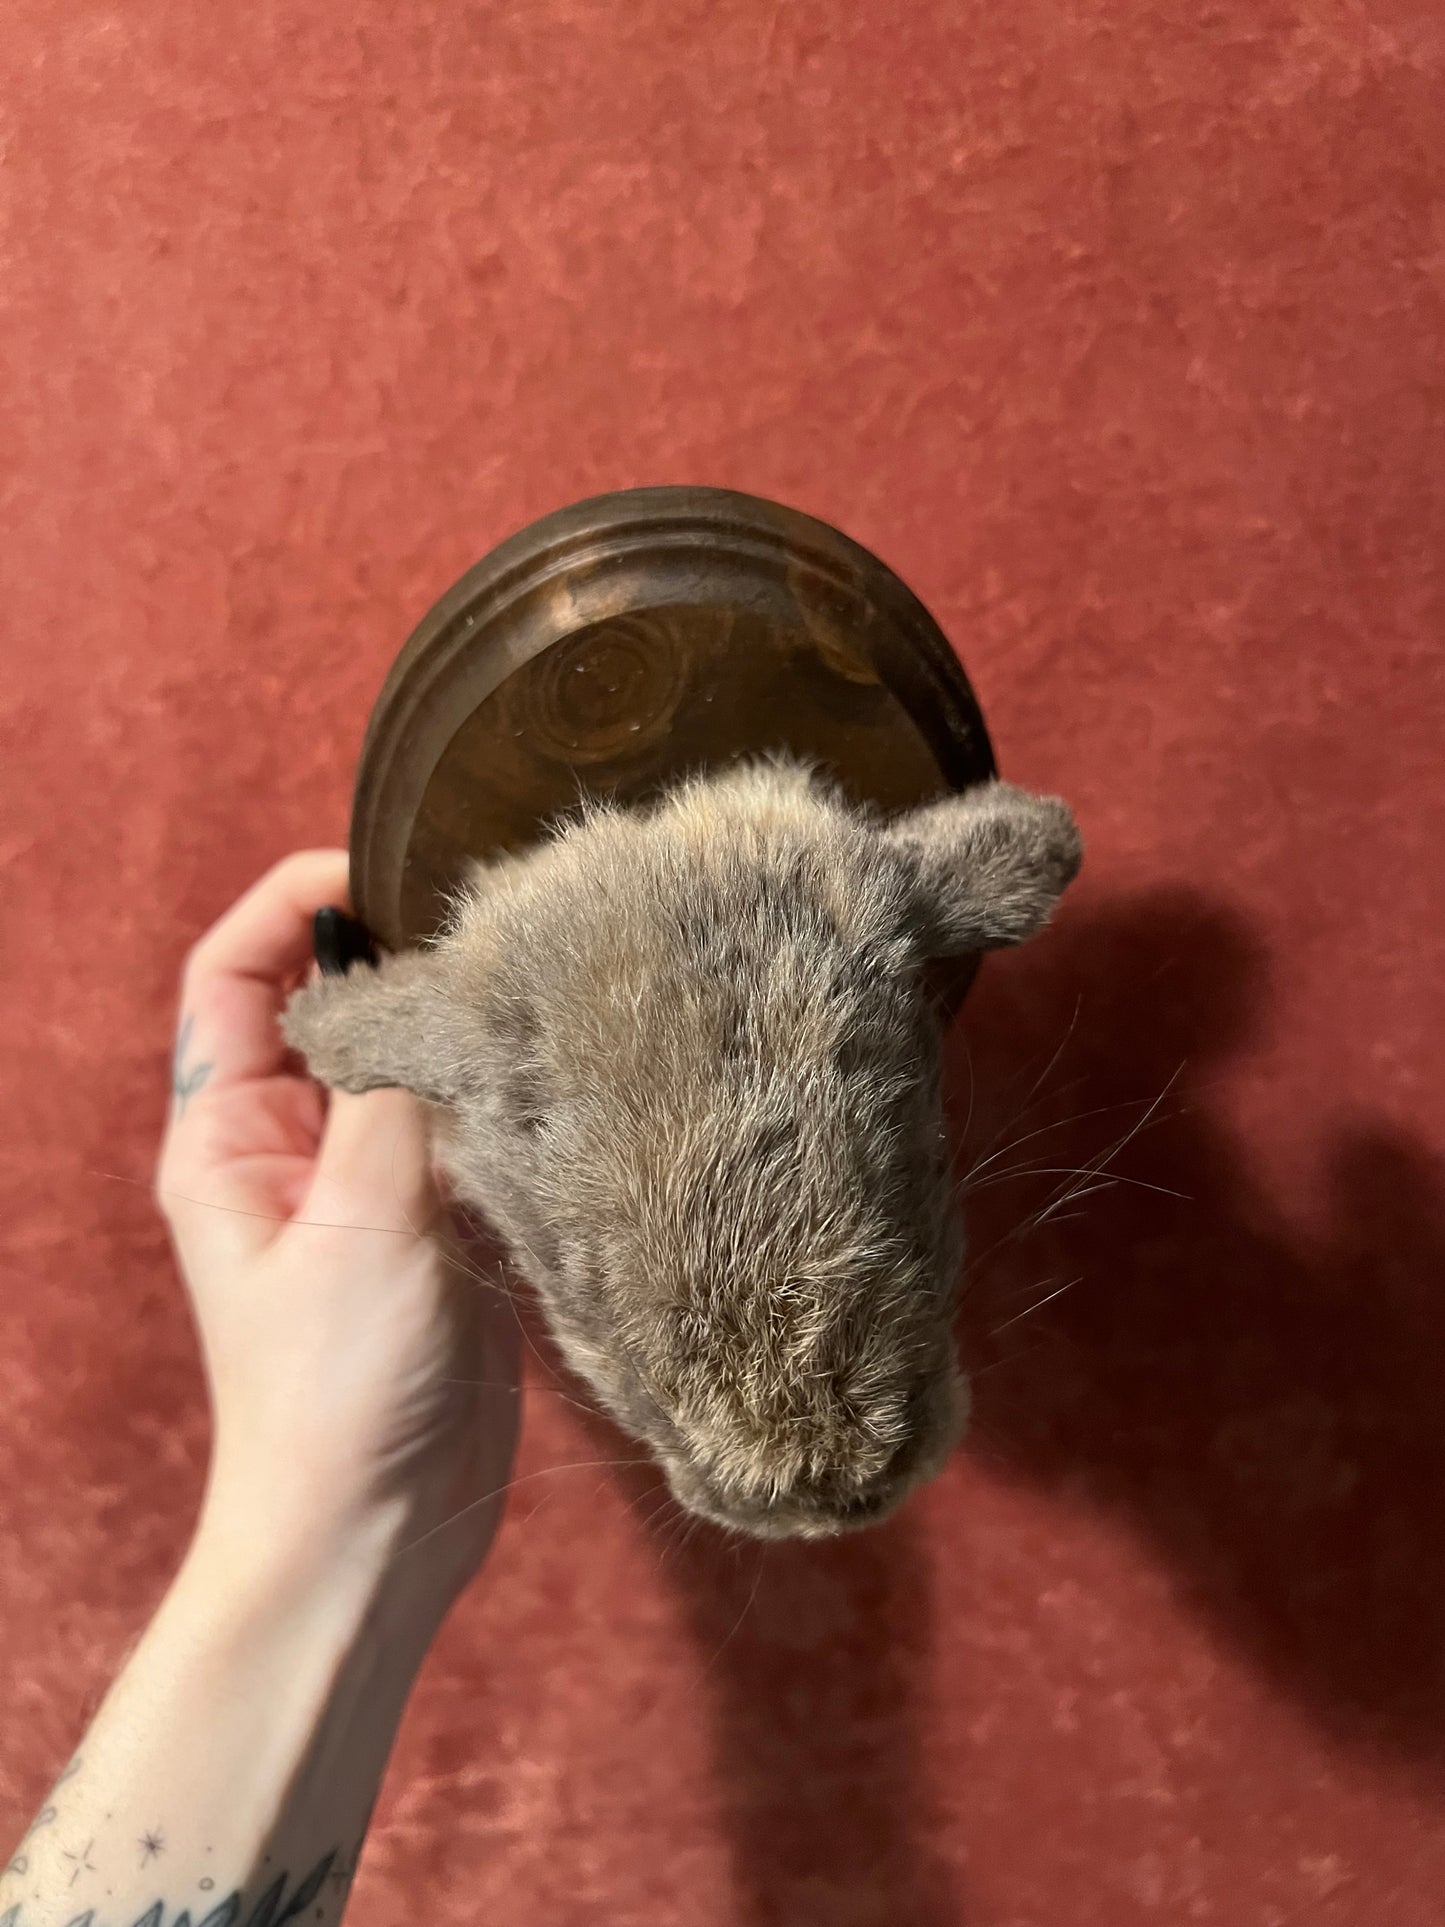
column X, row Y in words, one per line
column 812, row 1661
column 1264, row 1402
column 1266, row 1409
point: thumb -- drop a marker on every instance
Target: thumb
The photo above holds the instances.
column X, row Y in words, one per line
column 374, row 1166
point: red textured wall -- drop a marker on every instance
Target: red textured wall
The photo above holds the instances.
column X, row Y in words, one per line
column 1118, row 329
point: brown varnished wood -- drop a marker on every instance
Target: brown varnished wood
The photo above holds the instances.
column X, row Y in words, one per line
column 632, row 639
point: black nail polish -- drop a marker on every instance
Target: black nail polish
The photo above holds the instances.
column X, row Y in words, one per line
column 340, row 941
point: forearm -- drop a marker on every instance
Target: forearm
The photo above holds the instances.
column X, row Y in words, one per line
column 228, row 1779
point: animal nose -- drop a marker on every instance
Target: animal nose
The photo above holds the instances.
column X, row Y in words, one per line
column 814, row 1507
column 841, row 1504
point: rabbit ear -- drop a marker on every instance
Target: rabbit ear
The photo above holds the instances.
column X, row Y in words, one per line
column 390, row 1025
column 990, row 865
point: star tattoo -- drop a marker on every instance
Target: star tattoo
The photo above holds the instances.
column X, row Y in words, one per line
column 81, row 1861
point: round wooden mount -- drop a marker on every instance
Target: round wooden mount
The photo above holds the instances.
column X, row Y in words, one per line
column 630, row 640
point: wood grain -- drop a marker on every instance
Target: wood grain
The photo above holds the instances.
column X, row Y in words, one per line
column 622, row 643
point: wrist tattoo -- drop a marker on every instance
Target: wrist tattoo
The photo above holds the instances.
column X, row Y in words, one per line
column 282, row 1901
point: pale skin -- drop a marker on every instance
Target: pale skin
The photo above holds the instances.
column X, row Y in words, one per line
column 362, row 1384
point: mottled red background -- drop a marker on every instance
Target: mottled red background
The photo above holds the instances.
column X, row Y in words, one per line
column 1117, row 328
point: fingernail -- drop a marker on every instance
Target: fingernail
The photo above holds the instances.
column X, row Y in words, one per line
column 340, row 941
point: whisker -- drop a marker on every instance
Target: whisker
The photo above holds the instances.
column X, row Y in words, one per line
column 968, row 1059
column 747, row 1607
column 1022, row 1110
column 474, row 1272
column 1043, row 1130
column 1049, row 1211
column 671, row 1527
column 485, row 1498
column 1038, row 1305
column 1013, row 1358
column 532, row 1391
column 1068, row 1194
column 1101, row 1163
column 1075, row 1171
column 240, row 1211
column 1063, row 1046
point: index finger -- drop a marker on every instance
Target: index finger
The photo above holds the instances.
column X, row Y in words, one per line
column 237, row 975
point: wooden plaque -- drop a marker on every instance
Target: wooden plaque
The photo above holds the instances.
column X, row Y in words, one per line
column 627, row 641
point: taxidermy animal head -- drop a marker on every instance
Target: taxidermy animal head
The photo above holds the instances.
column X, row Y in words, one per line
column 684, row 1060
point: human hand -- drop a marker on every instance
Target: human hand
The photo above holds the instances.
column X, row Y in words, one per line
column 363, row 1378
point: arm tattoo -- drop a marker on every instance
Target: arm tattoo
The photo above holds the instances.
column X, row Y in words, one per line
column 186, row 1079
column 21, row 1862
column 283, row 1901
column 81, row 1862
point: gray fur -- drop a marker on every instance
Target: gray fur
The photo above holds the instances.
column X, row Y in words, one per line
column 685, row 1063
